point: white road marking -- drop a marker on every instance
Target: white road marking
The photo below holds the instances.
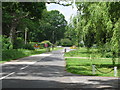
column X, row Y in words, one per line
column 29, row 63
column 23, row 67
column 39, row 55
column 20, row 62
column 7, row 75
column 72, row 80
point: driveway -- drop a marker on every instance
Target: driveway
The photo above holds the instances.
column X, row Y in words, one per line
column 47, row 70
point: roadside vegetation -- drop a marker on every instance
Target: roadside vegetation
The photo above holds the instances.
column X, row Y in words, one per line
column 22, row 49
column 80, row 62
column 93, row 52
column 84, row 66
column 96, row 29
column 13, row 54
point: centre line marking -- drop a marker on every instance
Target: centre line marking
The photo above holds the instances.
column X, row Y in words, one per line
column 7, row 75
column 23, row 67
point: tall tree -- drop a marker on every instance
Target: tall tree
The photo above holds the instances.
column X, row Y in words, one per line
column 53, row 25
column 13, row 12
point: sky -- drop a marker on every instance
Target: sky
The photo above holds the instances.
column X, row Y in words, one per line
column 67, row 11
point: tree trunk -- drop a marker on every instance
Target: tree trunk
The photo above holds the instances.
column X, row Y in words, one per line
column 113, row 58
column 13, row 33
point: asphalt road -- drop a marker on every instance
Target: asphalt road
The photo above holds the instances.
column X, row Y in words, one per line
column 48, row 71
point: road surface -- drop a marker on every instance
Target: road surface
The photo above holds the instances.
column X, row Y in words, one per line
column 48, row 71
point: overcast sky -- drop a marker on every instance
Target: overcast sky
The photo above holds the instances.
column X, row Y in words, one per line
column 67, row 11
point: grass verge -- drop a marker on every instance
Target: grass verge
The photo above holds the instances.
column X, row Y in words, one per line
column 82, row 52
column 13, row 54
column 84, row 66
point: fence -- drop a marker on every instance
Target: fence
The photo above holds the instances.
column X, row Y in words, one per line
column 94, row 68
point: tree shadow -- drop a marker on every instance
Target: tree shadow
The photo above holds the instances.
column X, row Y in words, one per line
column 47, row 59
column 22, row 83
column 43, row 71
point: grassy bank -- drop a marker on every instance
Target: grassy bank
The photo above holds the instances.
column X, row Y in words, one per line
column 13, row 54
column 82, row 52
column 84, row 66
column 93, row 52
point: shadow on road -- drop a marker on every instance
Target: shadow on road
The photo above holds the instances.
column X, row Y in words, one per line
column 19, row 83
column 50, row 72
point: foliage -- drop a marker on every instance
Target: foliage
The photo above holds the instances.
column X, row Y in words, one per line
column 20, row 15
column 71, row 33
column 66, row 42
column 40, row 23
column 19, row 43
column 19, row 53
column 115, row 41
column 28, row 46
column 97, row 23
column 5, row 43
column 53, row 24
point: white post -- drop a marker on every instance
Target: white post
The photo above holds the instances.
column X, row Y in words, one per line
column 93, row 69
column 115, row 71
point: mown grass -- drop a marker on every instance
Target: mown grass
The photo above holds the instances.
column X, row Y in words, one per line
column 93, row 52
column 84, row 66
column 82, row 52
column 13, row 54
column 56, row 48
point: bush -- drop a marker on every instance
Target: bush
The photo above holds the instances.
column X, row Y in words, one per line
column 57, row 43
column 29, row 46
column 108, row 55
column 19, row 43
column 14, row 54
column 81, row 45
column 5, row 43
column 66, row 42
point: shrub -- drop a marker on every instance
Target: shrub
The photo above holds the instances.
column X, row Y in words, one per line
column 19, row 43
column 81, row 45
column 108, row 54
column 57, row 43
column 66, row 42
column 14, row 54
column 28, row 46
column 5, row 42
